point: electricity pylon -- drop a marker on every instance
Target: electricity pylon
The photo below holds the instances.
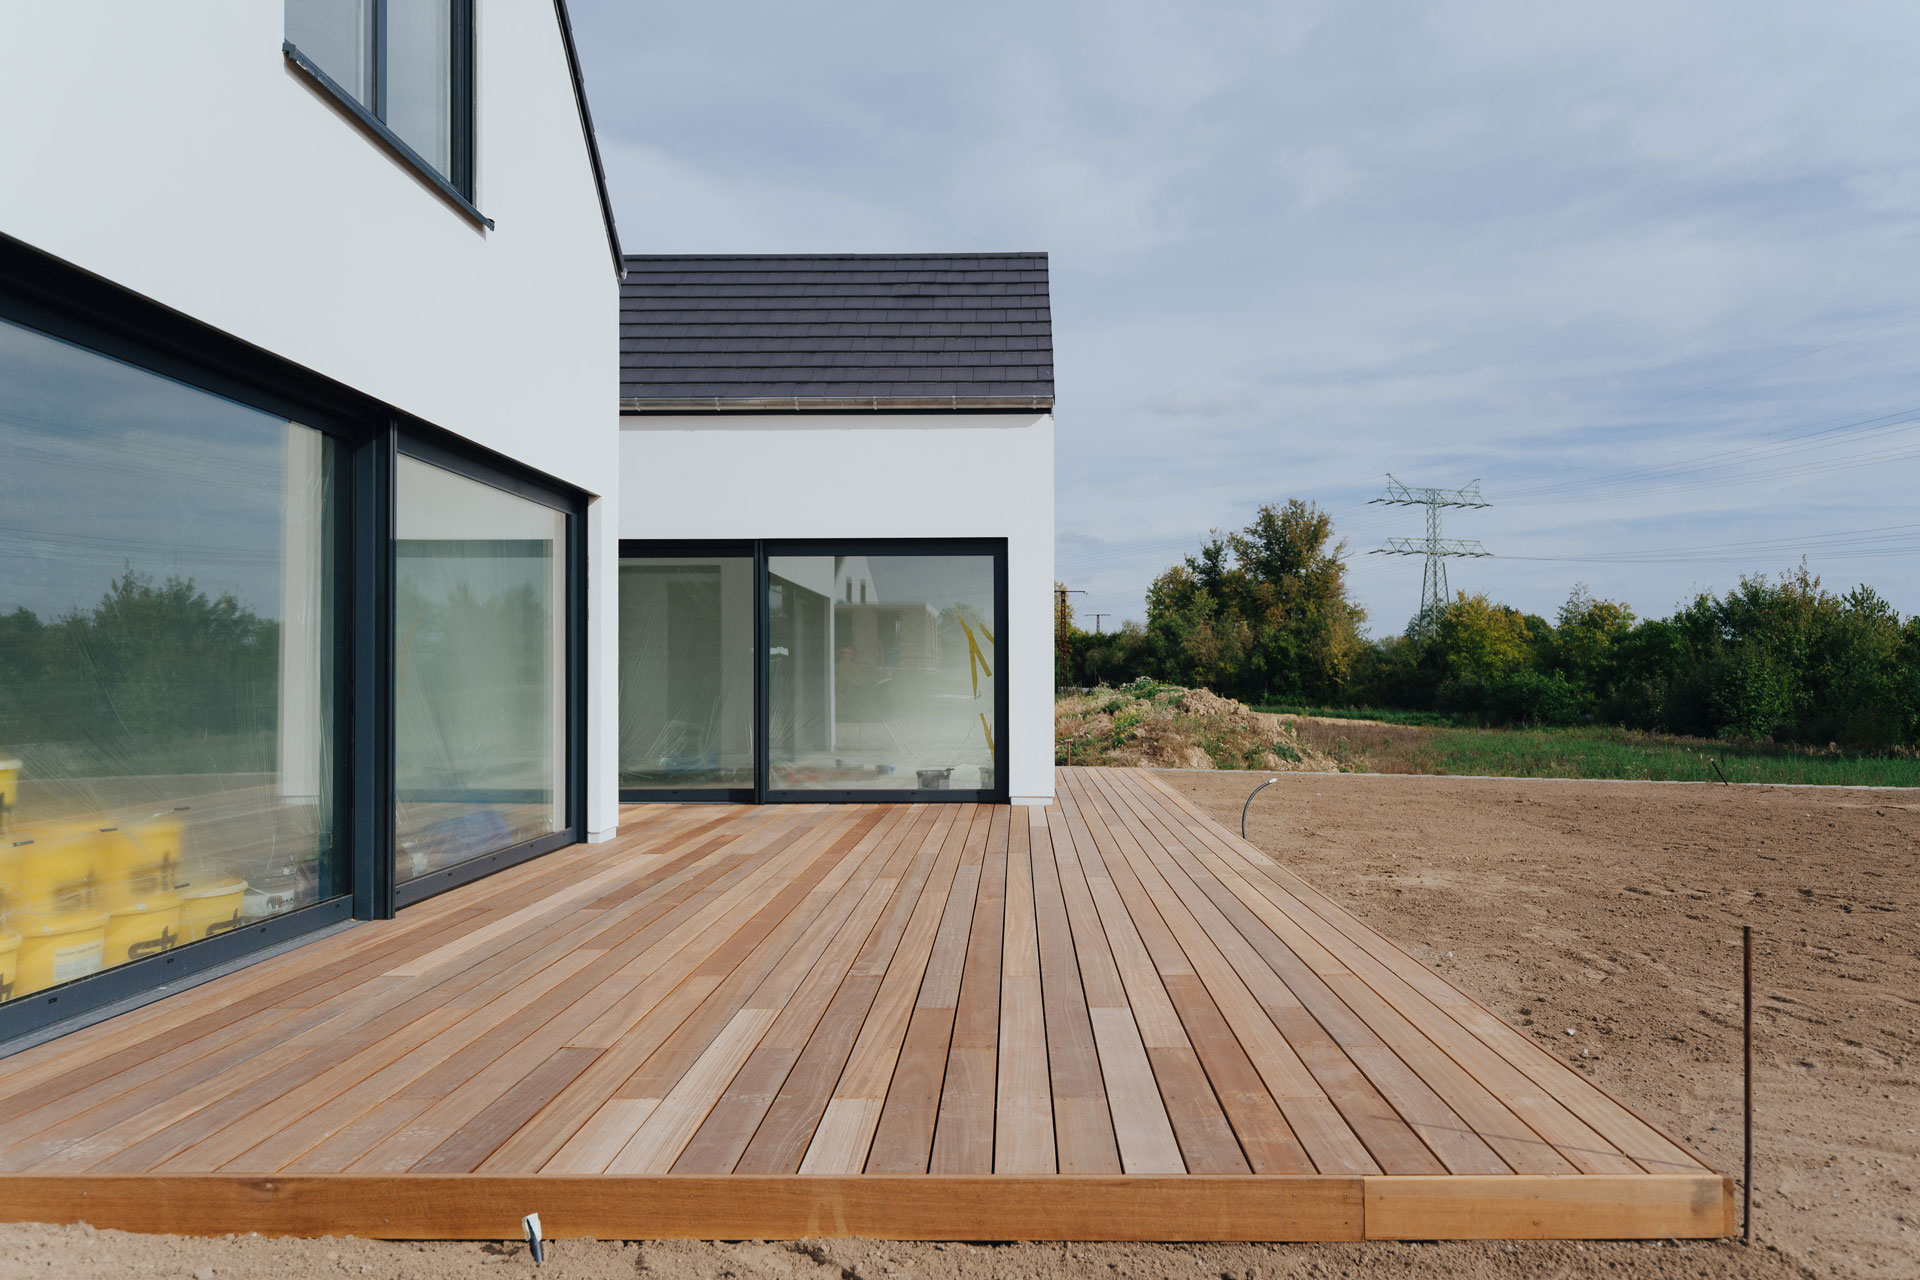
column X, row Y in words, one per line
column 1437, row 550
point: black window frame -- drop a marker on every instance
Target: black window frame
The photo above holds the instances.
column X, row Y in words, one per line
column 761, row 551
column 457, row 185
column 56, row 298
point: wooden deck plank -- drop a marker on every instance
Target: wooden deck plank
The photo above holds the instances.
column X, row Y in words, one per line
column 799, row 997
column 1143, row 1131
column 1083, row 1133
column 1532, row 1132
column 466, row 1084
column 1628, row 1132
column 963, row 1132
column 1023, row 1139
column 1216, row 947
column 689, row 1086
column 1450, row 1139
column 1267, row 1140
column 780, row 1143
column 665, row 985
column 555, row 1125
column 903, row 1140
column 845, row 1135
column 1186, row 952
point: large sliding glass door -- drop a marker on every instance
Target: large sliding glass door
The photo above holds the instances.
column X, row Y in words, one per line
column 877, row 674
column 481, row 616
column 171, row 644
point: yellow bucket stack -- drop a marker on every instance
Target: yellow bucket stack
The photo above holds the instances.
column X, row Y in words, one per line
column 81, row 897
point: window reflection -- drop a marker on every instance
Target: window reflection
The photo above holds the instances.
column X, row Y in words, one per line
column 479, row 669
column 881, row 672
column 168, row 640
column 686, row 673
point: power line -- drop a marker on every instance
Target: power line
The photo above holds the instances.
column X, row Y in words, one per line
column 1882, row 540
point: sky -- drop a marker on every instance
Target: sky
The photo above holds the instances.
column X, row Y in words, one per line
column 1649, row 272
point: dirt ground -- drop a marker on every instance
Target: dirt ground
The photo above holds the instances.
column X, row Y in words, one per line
column 1609, row 909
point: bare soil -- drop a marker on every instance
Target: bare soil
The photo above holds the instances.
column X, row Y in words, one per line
column 1609, row 909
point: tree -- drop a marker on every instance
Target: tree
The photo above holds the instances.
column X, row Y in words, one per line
column 1261, row 613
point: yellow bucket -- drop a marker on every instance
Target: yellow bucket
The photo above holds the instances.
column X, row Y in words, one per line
column 55, row 949
column 160, row 837
column 140, row 862
column 9, row 792
column 54, row 869
column 140, row 929
column 213, row 907
column 9, row 964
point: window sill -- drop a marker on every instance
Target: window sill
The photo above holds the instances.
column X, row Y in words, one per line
column 386, row 137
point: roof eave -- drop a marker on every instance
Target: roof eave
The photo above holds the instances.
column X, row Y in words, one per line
column 593, row 142
column 833, row 404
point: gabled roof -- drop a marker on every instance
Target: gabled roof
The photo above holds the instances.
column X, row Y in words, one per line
column 586, row 127
column 955, row 331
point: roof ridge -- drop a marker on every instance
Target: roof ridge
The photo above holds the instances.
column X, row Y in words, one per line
column 829, row 257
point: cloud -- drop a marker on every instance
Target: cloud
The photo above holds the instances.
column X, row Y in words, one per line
column 1296, row 247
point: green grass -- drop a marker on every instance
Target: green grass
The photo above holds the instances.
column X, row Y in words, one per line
column 1431, row 719
column 1384, row 746
column 1618, row 753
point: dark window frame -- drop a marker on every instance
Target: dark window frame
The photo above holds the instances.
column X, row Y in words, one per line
column 457, row 184
column 762, row 551
column 54, row 297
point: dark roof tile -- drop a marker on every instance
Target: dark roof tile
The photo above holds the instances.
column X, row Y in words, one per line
column 836, row 327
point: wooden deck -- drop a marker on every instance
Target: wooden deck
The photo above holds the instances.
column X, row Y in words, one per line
column 1108, row 1018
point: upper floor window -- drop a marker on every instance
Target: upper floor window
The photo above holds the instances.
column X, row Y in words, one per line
column 406, row 66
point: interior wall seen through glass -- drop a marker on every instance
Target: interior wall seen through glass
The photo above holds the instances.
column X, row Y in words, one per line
column 480, row 609
column 419, row 67
column 686, row 673
column 169, row 642
column 881, row 672
column 337, row 35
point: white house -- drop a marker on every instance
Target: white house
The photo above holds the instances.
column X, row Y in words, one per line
column 361, row 534
column 873, row 439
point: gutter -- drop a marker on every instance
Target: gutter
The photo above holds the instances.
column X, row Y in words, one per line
column 830, row 404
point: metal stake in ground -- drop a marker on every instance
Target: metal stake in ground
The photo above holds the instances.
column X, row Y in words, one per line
column 1746, row 1186
column 1249, row 804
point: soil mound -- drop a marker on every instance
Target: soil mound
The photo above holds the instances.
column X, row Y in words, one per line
column 1166, row 727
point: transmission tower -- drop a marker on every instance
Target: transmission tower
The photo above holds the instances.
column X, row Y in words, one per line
column 1437, row 550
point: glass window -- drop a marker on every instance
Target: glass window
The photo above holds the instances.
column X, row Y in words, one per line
column 338, row 36
column 686, row 673
column 479, row 669
column 894, row 692
column 168, row 650
column 419, row 88
column 408, row 63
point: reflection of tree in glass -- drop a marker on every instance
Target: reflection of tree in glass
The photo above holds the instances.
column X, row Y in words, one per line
column 474, row 667
column 153, row 678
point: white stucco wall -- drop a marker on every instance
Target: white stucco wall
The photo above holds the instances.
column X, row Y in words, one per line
column 172, row 149
column 872, row 476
